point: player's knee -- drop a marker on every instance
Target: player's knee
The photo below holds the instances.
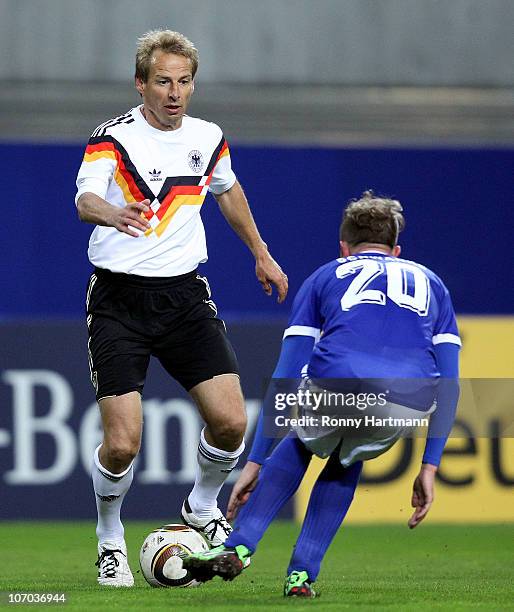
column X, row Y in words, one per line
column 229, row 434
column 120, row 454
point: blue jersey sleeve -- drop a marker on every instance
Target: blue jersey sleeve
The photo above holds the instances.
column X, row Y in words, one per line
column 445, row 328
column 305, row 318
column 446, row 346
column 441, row 422
column 295, row 353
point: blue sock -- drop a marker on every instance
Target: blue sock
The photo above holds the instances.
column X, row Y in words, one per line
column 280, row 477
column 328, row 504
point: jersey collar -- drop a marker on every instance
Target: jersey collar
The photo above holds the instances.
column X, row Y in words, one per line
column 166, row 136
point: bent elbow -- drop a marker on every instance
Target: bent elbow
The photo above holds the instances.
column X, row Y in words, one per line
column 81, row 208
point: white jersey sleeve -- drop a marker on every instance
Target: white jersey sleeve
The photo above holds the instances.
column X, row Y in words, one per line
column 223, row 178
column 95, row 174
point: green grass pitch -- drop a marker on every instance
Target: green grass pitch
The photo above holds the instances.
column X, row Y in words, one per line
column 367, row 568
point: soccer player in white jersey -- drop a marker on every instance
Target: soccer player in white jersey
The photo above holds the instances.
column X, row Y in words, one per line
column 368, row 323
column 142, row 183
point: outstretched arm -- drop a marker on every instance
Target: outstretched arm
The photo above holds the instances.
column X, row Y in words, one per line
column 295, row 353
column 235, row 209
column 441, row 422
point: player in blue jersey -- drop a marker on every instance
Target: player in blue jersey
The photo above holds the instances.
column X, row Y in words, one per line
column 377, row 323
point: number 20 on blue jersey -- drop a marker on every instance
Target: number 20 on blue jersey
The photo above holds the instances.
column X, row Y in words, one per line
column 398, row 273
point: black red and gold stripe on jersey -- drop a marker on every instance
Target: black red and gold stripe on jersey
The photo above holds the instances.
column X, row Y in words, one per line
column 175, row 192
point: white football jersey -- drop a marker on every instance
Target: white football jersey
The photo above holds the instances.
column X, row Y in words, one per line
column 127, row 160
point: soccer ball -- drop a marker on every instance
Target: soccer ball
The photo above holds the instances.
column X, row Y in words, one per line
column 162, row 553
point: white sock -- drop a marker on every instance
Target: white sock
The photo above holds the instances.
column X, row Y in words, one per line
column 110, row 490
column 213, row 468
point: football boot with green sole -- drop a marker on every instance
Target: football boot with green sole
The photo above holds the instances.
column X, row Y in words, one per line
column 220, row 561
column 298, row 585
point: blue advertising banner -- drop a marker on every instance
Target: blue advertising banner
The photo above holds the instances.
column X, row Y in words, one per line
column 456, row 201
column 49, row 424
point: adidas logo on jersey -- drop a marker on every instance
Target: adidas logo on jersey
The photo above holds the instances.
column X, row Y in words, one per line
column 155, row 175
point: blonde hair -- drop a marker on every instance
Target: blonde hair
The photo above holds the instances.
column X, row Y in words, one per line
column 163, row 40
column 372, row 219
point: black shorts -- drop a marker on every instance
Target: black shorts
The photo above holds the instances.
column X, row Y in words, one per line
column 132, row 317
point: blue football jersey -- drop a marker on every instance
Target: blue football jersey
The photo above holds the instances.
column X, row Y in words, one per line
column 373, row 316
